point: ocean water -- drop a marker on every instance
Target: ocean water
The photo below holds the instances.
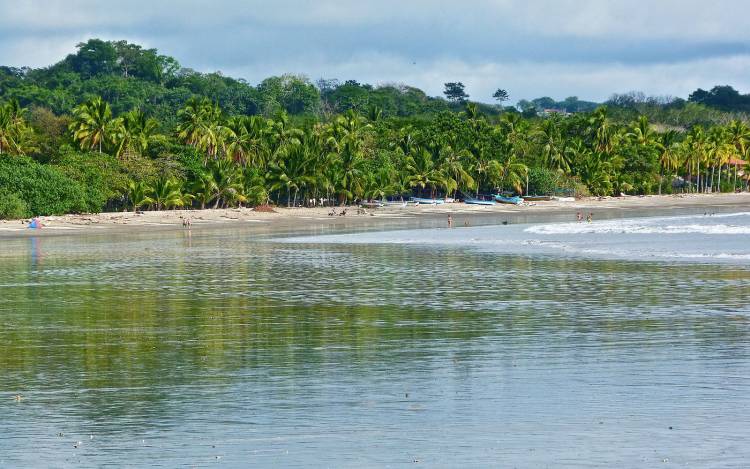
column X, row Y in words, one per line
column 707, row 237
column 620, row 343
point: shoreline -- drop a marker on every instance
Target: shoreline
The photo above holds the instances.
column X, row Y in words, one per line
column 317, row 220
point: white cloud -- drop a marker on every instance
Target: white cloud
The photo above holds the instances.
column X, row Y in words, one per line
column 589, row 48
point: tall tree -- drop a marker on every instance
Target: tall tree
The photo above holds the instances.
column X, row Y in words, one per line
column 454, row 91
column 501, row 95
column 92, row 124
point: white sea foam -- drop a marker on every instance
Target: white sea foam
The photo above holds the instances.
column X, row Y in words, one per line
column 662, row 225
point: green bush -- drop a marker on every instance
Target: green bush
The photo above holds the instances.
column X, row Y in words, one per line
column 544, row 181
column 12, row 206
column 44, row 189
column 101, row 177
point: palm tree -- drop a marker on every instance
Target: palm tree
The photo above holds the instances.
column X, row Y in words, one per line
column 668, row 158
column 204, row 188
column 166, row 193
column 601, row 130
column 92, row 124
column 291, row 171
column 138, row 194
column 379, row 184
column 346, row 139
column 454, row 164
column 594, row 172
column 228, row 179
column 553, row 149
column 200, row 125
column 423, row 171
column 133, row 133
column 14, row 131
column 245, row 140
column 508, row 173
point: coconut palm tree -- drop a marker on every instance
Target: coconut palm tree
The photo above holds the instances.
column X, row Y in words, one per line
column 423, row 171
column 200, row 124
column 14, row 132
column 668, row 157
column 228, row 179
column 346, row 140
column 454, row 165
column 204, row 188
column 166, row 193
column 92, row 124
column 133, row 133
column 138, row 194
column 553, row 147
column 509, row 173
column 600, row 129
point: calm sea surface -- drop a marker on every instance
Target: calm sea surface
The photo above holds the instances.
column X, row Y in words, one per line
column 620, row 343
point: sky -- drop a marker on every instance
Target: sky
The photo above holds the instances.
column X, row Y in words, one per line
column 532, row 48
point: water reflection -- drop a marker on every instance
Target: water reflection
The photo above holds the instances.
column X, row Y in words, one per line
column 184, row 347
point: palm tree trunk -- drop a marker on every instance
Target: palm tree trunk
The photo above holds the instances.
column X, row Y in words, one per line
column 705, row 182
column 698, row 176
column 718, row 183
column 661, row 179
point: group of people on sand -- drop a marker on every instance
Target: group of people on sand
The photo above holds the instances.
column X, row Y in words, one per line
column 589, row 217
column 333, row 213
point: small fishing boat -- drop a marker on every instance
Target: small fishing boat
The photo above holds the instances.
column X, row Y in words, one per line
column 396, row 204
column 515, row 200
column 472, row 201
column 419, row 200
column 374, row 204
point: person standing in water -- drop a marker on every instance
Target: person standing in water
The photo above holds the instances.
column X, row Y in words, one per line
column 450, row 221
column 590, row 217
column 579, row 217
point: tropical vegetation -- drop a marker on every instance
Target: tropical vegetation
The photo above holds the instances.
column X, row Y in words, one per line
column 118, row 127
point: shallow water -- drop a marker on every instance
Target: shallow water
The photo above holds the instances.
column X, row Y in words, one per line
column 472, row 347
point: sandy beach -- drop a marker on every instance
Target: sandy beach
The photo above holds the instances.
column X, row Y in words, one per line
column 309, row 220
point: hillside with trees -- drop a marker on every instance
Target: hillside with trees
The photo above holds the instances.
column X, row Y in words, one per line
column 115, row 126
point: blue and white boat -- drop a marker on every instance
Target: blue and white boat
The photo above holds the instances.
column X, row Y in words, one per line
column 515, row 200
column 472, row 201
column 419, row 200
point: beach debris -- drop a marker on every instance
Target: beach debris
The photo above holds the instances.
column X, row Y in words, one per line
column 265, row 208
column 77, row 444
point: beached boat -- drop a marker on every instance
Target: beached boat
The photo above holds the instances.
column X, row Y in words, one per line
column 396, row 204
column 373, row 204
column 472, row 201
column 419, row 200
column 515, row 200
column 537, row 198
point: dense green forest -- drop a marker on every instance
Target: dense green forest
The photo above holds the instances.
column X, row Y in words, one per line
column 115, row 126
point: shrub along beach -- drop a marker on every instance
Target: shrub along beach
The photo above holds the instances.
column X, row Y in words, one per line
column 115, row 127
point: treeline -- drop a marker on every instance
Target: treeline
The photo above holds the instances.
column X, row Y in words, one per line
column 213, row 159
column 84, row 136
column 129, row 77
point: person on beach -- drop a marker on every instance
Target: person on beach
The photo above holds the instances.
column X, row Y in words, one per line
column 450, row 221
column 35, row 224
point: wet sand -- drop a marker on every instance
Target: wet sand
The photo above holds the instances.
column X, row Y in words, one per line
column 317, row 220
